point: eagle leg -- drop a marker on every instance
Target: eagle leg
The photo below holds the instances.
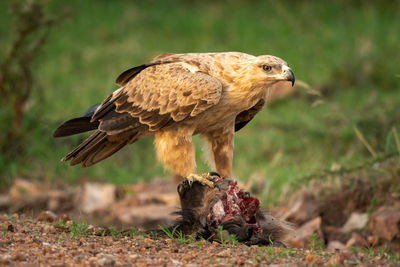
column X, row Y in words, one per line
column 220, row 144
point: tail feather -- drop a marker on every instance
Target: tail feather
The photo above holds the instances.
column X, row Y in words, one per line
column 95, row 148
column 94, row 136
column 78, row 125
column 113, row 131
column 90, row 145
column 75, row 126
column 103, row 151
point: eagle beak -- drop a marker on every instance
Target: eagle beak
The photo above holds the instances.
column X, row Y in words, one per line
column 291, row 77
column 288, row 74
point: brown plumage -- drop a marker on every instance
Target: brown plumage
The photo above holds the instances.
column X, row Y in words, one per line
column 174, row 97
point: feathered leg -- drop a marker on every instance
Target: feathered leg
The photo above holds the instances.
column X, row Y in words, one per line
column 175, row 149
column 221, row 146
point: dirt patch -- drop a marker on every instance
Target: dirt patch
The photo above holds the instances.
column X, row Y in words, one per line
column 28, row 241
column 348, row 218
column 359, row 208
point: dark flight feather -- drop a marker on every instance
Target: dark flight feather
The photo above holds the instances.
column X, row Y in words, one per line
column 78, row 125
column 124, row 77
column 246, row 116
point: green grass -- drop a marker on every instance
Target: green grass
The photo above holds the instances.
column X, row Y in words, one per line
column 316, row 244
column 382, row 252
column 179, row 236
column 270, row 254
column 347, row 50
column 78, row 229
column 225, row 238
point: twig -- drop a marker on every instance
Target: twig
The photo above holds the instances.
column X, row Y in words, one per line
column 396, row 139
column 342, row 171
column 364, row 141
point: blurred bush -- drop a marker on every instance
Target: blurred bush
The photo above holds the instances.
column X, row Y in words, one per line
column 30, row 29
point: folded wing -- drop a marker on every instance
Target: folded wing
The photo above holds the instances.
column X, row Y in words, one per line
column 155, row 97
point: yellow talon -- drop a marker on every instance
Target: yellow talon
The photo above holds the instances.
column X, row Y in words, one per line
column 201, row 178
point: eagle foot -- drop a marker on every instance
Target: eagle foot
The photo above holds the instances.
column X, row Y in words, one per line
column 205, row 178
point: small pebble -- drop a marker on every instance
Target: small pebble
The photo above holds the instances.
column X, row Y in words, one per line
column 106, row 260
column 309, row 258
column 47, row 216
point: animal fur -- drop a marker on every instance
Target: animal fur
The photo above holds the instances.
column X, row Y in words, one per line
column 197, row 202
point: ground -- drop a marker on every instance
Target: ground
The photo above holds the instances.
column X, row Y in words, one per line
column 28, row 240
column 353, row 220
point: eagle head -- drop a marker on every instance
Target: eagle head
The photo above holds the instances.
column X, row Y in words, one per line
column 270, row 69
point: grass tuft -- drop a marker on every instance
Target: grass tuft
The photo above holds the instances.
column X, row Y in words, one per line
column 78, row 229
column 225, row 238
column 178, row 236
column 316, row 244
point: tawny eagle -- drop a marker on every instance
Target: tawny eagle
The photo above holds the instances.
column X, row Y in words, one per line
column 174, row 97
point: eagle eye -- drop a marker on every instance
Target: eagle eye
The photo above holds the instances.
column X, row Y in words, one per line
column 266, row 67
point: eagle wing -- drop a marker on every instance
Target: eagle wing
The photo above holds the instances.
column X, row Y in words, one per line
column 152, row 98
column 127, row 75
column 157, row 97
column 247, row 115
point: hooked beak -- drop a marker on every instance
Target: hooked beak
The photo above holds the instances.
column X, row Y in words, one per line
column 288, row 74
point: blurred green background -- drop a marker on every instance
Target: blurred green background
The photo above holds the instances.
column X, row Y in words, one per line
column 348, row 51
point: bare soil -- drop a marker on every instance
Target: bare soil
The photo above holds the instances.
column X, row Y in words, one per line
column 347, row 219
column 26, row 241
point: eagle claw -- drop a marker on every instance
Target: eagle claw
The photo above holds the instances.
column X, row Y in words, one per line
column 183, row 186
column 212, row 174
column 204, row 179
